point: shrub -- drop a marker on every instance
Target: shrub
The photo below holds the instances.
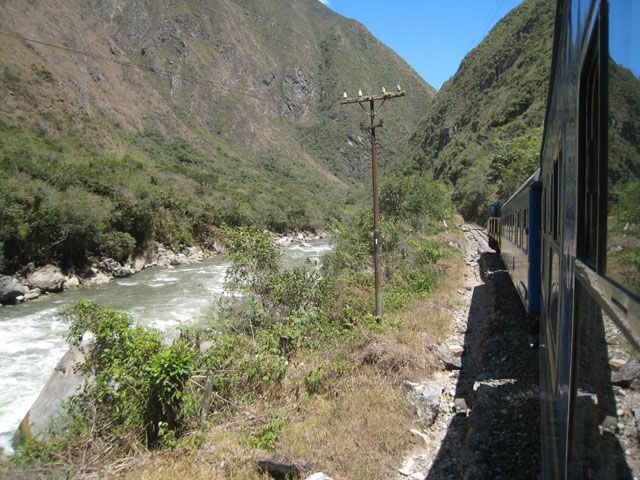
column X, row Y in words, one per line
column 117, row 245
column 136, row 382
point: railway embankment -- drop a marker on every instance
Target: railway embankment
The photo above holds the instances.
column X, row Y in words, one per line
column 487, row 422
column 486, row 409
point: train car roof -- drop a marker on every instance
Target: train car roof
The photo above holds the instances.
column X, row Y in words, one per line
column 531, row 180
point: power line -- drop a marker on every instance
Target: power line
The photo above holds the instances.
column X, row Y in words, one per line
column 160, row 72
column 486, row 24
column 167, row 73
column 371, row 99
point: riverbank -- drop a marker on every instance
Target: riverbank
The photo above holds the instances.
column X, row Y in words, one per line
column 167, row 299
column 34, row 282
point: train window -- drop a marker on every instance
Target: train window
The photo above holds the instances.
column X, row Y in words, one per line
column 608, row 240
column 623, row 195
column 513, row 226
column 590, row 176
column 554, row 296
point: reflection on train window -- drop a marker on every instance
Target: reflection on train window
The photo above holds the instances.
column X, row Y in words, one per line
column 623, row 229
column 554, row 292
column 590, row 193
column 555, row 217
column 594, row 452
column 608, row 206
column 525, row 231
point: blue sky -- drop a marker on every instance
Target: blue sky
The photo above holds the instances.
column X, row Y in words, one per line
column 433, row 36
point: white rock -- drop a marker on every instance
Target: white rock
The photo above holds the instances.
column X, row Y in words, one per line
column 407, row 468
column 99, row 278
column 139, row 263
column 48, row 278
column 318, row 476
column 71, row 282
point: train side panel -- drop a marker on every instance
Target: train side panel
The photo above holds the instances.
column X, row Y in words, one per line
column 520, row 242
column 588, row 298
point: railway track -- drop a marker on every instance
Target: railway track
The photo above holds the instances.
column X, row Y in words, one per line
column 479, row 235
column 496, row 433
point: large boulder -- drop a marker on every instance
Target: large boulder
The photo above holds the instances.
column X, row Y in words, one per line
column 425, row 397
column 97, row 277
column 10, row 289
column 46, row 410
column 48, row 279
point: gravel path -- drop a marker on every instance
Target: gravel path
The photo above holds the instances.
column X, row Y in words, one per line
column 488, row 422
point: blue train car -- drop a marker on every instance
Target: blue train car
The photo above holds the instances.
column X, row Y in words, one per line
column 589, row 158
column 520, row 241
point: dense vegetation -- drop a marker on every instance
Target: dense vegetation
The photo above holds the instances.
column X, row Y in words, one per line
column 60, row 202
column 292, row 339
column 483, row 133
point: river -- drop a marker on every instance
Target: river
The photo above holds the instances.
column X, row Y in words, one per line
column 163, row 298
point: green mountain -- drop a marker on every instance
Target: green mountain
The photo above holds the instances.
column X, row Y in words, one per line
column 127, row 121
column 482, row 133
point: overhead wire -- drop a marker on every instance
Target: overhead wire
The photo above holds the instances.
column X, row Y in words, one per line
column 157, row 71
column 167, row 73
column 487, row 24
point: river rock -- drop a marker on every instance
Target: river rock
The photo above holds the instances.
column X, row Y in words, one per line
column 48, row 279
column 139, row 263
column 10, row 289
column 71, row 282
column 194, row 254
column 283, row 241
column 46, row 410
column 98, row 277
column 179, row 259
column 425, row 397
column 32, row 294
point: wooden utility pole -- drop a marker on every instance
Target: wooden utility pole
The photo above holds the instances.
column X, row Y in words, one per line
column 374, row 174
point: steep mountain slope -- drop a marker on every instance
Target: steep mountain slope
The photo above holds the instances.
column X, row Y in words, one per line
column 482, row 133
column 166, row 118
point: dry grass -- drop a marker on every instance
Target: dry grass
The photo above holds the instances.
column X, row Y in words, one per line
column 223, row 455
column 358, row 432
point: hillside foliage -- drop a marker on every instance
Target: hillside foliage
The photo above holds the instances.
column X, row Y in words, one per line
column 483, row 132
